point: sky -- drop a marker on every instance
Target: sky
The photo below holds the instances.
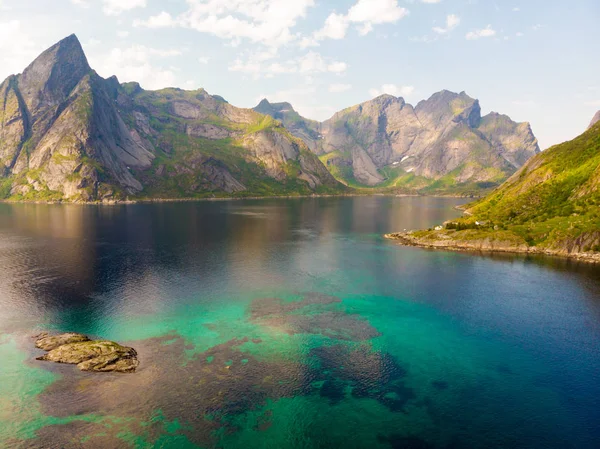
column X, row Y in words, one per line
column 534, row 60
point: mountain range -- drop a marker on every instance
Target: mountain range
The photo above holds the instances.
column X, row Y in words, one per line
column 68, row 134
column 551, row 205
column 440, row 144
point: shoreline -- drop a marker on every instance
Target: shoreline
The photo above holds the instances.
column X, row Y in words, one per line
column 488, row 246
column 226, row 198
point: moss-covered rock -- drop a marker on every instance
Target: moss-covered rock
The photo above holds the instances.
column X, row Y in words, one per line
column 49, row 342
column 89, row 355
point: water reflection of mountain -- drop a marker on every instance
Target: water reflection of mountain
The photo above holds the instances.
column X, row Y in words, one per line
column 102, row 261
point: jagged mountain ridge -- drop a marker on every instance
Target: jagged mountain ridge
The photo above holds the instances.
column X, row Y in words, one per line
column 68, row 134
column 442, row 141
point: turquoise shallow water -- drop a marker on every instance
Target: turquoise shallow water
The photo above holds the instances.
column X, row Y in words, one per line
column 291, row 323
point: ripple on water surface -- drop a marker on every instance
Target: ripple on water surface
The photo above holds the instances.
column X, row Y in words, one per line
column 290, row 324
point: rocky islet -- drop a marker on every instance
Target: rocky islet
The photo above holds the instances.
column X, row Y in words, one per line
column 87, row 354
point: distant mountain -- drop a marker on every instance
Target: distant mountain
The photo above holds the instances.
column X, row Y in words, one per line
column 595, row 119
column 305, row 129
column 551, row 205
column 68, row 134
column 441, row 144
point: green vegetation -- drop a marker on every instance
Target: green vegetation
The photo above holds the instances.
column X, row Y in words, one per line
column 264, row 123
column 5, row 187
column 553, row 202
column 83, row 106
column 43, row 195
column 397, row 180
column 184, row 164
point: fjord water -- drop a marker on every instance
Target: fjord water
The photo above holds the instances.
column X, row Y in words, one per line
column 291, row 324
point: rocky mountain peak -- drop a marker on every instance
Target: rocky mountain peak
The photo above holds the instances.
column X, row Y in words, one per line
column 384, row 101
column 445, row 98
column 446, row 106
column 595, row 120
column 54, row 74
column 386, row 98
column 68, row 134
column 471, row 115
column 386, row 138
column 266, row 107
column 264, row 103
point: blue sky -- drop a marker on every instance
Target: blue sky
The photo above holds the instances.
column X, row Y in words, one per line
column 535, row 60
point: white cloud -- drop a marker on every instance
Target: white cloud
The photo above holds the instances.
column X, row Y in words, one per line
column 452, row 21
column 536, row 27
column 161, row 20
column 367, row 13
column 516, row 9
column 122, row 34
column 364, row 14
column 268, row 22
column 135, row 63
column 313, row 62
column 116, row 7
column 17, row 49
column 485, row 32
column 424, row 39
column 392, row 89
column 309, row 64
column 203, row 60
column 337, row 67
column 519, row 34
column 336, row 88
column 335, row 27
column 306, row 42
column 431, row 1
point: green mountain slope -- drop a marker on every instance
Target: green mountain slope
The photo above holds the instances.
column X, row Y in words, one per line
column 68, row 134
column 551, row 205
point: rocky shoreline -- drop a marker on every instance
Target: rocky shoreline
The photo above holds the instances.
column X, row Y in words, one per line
column 487, row 245
column 230, row 198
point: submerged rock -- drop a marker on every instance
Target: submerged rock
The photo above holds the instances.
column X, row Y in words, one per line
column 88, row 355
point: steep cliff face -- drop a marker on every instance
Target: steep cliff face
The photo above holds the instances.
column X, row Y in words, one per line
column 441, row 143
column 61, row 136
column 67, row 133
column 204, row 144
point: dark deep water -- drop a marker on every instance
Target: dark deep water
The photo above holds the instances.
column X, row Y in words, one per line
column 291, row 324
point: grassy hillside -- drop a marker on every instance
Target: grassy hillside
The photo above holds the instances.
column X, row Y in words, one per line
column 551, row 204
column 398, row 180
column 179, row 168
